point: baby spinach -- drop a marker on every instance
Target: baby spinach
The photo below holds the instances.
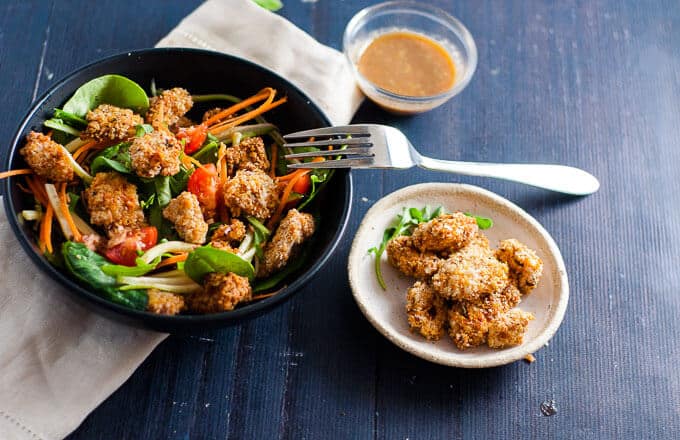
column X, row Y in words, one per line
column 108, row 89
column 260, row 235
column 482, row 222
column 206, row 259
column 403, row 224
column 70, row 119
column 272, row 5
column 142, row 129
column 86, row 266
column 116, row 157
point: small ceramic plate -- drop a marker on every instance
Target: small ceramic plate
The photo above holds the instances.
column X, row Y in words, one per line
column 386, row 309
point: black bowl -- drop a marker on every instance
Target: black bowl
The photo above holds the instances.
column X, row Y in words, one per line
column 200, row 72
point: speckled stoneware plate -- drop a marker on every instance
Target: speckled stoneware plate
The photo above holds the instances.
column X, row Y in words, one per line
column 386, row 309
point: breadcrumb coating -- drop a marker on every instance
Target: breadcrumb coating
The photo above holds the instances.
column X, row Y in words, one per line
column 508, row 329
column 525, row 266
column 426, row 311
column 112, row 202
column 470, row 273
column 110, row 123
column 294, row 229
column 155, row 153
column 220, row 293
column 184, row 212
column 248, row 155
column 468, row 325
column 251, row 193
column 166, row 109
column 47, row 158
column 229, row 235
column 409, row 261
column 164, row 303
column 448, row 232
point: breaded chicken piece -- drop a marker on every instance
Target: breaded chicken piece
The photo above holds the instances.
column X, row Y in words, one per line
column 448, row 232
column 185, row 213
column 508, row 329
column 251, row 193
column 409, row 261
column 248, row 155
column 164, row 303
column 525, row 266
column 500, row 302
column 294, row 229
column 426, row 311
column 166, row 109
column 470, row 273
column 47, row 158
column 468, row 325
column 112, row 202
column 228, row 236
column 220, row 293
column 110, row 123
column 155, row 153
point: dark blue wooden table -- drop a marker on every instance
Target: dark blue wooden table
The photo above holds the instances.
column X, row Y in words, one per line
column 591, row 84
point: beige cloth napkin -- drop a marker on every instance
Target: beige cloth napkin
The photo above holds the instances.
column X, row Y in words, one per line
column 58, row 360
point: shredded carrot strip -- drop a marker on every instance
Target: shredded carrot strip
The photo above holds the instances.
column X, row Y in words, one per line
column 284, row 198
column 272, row 169
column 49, row 134
column 63, row 206
column 172, row 260
column 246, row 116
column 193, row 161
column 86, row 147
column 15, row 173
column 259, row 96
column 38, row 190
column 46, row 231
column 222, row 164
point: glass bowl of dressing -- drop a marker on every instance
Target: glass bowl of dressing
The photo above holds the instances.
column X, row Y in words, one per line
column 409, row 57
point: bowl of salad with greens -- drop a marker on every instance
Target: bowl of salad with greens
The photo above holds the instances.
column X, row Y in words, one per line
column 153, row 186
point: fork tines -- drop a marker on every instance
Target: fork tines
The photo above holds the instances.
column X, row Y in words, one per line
column 343, row 130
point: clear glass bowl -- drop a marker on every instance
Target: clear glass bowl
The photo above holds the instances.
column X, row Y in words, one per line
column 419, row 18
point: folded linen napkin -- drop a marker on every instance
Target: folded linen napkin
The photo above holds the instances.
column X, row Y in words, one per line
column 44, row 336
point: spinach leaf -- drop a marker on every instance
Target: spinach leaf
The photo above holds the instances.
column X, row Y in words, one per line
column 403, row 224
column 163, row 190
column 70, row 119
column 116, row 157
column 58, row 124
column 142, row 129
column 320, row 179
column 207, row 153
column 482, row 222
column 292, row 267
column 272, row 5
column 108, row 89
column 178, row 182
column 260, row 235
column 206, row 259
column 86, row 266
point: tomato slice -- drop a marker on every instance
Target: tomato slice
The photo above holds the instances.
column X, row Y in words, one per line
column 196, row 136
column 125, row 253
column 303, row 184
column 203, row 184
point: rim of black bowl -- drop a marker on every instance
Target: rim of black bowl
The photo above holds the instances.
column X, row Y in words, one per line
column 151, row 319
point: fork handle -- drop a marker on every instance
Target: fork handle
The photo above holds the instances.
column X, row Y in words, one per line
column 560, row 178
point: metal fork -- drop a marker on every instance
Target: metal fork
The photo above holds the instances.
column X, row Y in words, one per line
column 380, row 146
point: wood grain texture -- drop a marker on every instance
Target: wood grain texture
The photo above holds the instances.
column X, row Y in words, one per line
column 590, row 84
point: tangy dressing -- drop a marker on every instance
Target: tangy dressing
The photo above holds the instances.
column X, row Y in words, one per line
column 408, row 64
